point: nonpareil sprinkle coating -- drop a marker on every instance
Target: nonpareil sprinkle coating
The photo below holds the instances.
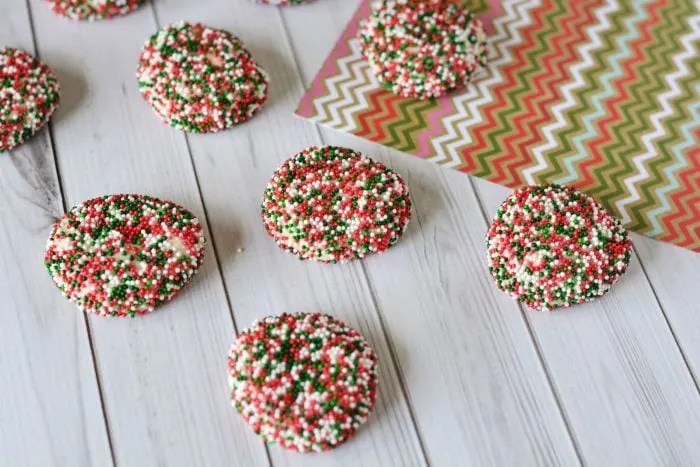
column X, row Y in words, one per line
column 199, row 79
column 423, row 48
column 123, row 255
column 333, row 204
column 29, row 94
column 92, row 10
column 305, row 381
column 551, row 246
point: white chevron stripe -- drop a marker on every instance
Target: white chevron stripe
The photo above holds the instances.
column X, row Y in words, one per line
column 449, row 122
column 363, row 73
column 502, row 25
column 482, row 88
column 569, row 101
column 346, row 93
column 334, row 88
column 689, row 51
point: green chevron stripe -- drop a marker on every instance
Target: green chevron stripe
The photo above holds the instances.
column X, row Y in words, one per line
column 657, row 165
column 637, row 109
column 401, row 132
column 574, row 115
column 477, row 6
column 505, row 115
column 681, row 115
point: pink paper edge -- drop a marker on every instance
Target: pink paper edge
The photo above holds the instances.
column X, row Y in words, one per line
column 330, row 65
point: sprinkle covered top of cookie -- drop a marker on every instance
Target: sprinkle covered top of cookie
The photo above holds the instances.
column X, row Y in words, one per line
column 423, row 48
column 122, row 255
column 551, row 246
column 306, row 381
column 333, row 204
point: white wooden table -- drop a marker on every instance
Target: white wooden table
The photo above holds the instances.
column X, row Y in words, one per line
column 468, row 378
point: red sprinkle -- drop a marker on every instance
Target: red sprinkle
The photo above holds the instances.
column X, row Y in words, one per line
column 305, row 381
column 122, row 255
column 332, row 204
column 28, row 96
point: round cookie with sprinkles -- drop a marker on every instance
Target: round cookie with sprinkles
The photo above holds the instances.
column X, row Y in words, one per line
column 333, row 204
column 551, row 246
column 305, row 381
column 28, row 96
column 200, row 79
column 423, row 48
column 123, row 255
column 92, row 10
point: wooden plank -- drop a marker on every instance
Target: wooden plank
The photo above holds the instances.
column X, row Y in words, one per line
column 48, row 378
column 233, row 168
column 163, row 375
column 452, row 331
column 674, row 274
column 622, row 381
column 477, row 388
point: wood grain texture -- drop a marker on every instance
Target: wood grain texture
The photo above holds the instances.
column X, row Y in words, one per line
column 163, row 375
column 233, row 169
column 476, row 385
column 47, row 377
column 467, row 377
column 675, row 276
column 622, row 381
column 475, row 380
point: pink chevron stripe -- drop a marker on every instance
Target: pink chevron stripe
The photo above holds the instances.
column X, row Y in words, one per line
column 330, row 66
column 435, row 127
column 447, row 104
column 495, row 11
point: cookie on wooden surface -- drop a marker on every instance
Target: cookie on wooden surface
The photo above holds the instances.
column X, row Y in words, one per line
column 333, row 204
column 422, row 48
column 552, row 246
column 123, row 255
column 305, row 381
column 29, row 94
column 199, row 79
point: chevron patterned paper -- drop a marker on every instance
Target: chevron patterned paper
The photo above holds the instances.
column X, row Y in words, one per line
column 603, row 95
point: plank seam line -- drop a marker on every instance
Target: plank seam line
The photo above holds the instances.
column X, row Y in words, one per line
column 684, row 356
column 397, row 365
column 364, row 275
column 211, row 239
column 538, row 348
column 211, row 232
column 64, row 206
